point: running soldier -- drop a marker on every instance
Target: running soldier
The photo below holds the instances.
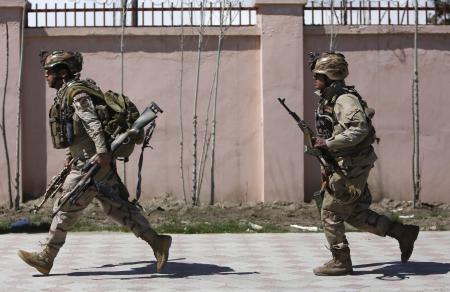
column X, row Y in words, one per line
column 75, row 126
column 344, row 128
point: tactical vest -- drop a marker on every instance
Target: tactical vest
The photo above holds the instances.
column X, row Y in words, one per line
column 61, row 121
column 326, row 120
column 116, row 113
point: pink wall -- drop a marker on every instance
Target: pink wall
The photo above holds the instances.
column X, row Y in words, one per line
column 10, row 16
column 259, row 149
column 152, row 73
column 281, row 76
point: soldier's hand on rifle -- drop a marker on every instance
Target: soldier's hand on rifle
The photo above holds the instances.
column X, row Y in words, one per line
column 320, row 143
column 323, row 175
column 104, row 159
column 67, row 161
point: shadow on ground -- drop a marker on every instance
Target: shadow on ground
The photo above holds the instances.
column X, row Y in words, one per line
column 147, row 269
column 393, row 271
column 41, row 227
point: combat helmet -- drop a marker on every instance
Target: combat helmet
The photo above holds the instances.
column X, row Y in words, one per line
column 333, row 65
column 72, row 60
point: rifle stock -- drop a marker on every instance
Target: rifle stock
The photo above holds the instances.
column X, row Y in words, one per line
column 54, row 186
column 148, row 116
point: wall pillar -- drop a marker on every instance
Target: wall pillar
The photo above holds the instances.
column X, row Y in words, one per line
column 281, row 24
column 10, row 26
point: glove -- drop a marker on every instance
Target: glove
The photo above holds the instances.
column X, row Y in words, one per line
column 320, row 143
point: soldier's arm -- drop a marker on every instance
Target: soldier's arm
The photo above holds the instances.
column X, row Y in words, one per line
column 85, row 109
column 351, row 117
column 68, row 156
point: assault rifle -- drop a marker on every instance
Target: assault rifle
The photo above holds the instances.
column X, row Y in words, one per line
column 54, row 186
column 91, row 168
column 326, row 159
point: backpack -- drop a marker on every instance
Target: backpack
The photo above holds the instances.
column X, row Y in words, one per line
column 116, row 112
column 368, row 112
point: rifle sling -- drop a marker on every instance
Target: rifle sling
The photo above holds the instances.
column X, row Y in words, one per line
column 145, row 144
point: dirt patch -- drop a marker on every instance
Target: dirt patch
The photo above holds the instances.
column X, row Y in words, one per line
column 171, row 215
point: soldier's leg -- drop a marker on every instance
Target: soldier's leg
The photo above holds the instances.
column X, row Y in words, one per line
column 114, row 200
column 368, row 220
column 334, row 229
column 338, row 206
column 61, row 223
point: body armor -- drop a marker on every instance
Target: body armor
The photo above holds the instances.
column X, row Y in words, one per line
column 61, row 123
column 327, row 123
column 325, row 118
column 64, row 124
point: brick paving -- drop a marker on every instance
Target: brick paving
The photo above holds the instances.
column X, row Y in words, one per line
column 226, row 262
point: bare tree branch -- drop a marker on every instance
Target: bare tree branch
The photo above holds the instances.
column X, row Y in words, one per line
column 4, row 135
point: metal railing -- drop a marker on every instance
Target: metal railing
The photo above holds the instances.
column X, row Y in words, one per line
column 139, row 13
column 376, row 12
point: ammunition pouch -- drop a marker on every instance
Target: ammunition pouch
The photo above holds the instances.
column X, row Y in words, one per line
column 61, row 129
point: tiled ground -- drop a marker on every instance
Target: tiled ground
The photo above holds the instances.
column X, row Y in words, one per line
column 226, row 262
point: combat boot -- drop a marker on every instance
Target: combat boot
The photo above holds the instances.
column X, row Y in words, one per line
column 41, row 261
column 340, row 265
column 160, row 245
column 406, row 236
column 161, row 251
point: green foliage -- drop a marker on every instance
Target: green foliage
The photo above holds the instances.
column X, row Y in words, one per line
column 394, row 217
column 40, row 223
column 4, row 226
column 225, row 226
column 86, row 225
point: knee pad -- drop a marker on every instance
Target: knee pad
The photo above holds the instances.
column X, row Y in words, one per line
column 372, row 218
column 379, row 221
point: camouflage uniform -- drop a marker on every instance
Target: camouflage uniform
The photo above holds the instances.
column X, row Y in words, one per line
column 344, row 121
column 75, row 125
column 356, row 161
column 108, row 189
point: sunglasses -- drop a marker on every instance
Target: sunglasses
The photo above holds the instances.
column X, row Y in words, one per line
column 318, row 76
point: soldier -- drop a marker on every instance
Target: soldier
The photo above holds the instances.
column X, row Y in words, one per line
column 75, row 125
column 344, row 128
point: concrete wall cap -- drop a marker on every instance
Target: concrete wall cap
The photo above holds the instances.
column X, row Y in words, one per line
column 279, row 2
column 377, row 29
column 13, row 3
column 138, row 31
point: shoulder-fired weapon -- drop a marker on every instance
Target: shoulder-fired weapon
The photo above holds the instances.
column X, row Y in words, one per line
column 91, row 168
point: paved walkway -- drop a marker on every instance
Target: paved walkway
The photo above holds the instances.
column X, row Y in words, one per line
column 226, row 262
